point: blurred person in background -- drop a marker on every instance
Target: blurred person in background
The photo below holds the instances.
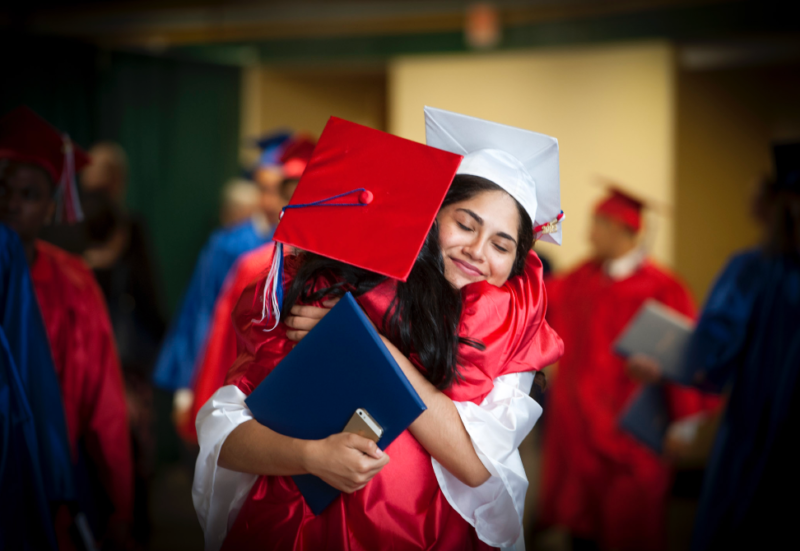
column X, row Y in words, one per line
column 240, row 199
column 39, row 165
column 220, row 353
column 188, row 333
column 607, row 489
column 748, row 339
column 36, row 473
column 118, row 251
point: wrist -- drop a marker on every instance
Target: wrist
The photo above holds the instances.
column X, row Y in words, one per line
column 308, row 454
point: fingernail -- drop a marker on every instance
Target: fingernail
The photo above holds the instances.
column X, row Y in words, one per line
column 379, row 452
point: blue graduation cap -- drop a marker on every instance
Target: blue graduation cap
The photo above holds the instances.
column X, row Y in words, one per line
column 271, row 146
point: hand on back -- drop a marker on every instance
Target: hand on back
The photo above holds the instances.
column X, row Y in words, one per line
column 305, row 318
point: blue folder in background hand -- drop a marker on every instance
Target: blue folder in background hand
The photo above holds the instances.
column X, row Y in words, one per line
column 340, row 366
column 646, row 417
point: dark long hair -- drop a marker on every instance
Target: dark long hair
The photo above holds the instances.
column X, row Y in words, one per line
column 424, row 315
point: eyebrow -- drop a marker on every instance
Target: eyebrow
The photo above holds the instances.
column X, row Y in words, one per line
column 479, row 220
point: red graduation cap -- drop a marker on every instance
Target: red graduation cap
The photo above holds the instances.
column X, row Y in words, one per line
column 367, row 198
column 623, row 207
column 296, row 154
column 28, row 138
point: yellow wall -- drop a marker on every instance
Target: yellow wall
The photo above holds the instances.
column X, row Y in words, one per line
column 723, row 145
column 727, row 120
column 250, row 125
column 304, row 100
column 611, row 108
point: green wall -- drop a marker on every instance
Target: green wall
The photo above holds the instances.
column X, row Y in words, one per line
column 179, row 123
column 178, row 120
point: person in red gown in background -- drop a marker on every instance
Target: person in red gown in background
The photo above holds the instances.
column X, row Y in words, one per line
column 36, row 169
column 605, row 487
column 220, row 351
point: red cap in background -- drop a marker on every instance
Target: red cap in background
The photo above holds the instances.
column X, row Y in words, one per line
column 296, row 155
column 622, row 207
column 26, row 137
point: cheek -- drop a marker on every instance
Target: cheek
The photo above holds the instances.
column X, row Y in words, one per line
column 448, row 237
column 501, row 267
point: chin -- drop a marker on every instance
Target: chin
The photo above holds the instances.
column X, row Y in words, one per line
column 458, row 283
column 455, row 279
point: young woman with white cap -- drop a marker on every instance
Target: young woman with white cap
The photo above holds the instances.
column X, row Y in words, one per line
column 456, row 480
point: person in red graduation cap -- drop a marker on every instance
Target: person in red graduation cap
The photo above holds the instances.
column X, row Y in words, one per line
column 605, row 487
column 36, row 183
column 220, row 352
column 449, row 279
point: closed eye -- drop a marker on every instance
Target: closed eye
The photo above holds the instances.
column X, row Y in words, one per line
column 501, row 249
column 463, row 227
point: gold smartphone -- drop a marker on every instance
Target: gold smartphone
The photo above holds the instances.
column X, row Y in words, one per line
column 362, row 424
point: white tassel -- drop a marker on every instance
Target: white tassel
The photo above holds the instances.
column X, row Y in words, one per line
column 69, row 208
column 273, row 290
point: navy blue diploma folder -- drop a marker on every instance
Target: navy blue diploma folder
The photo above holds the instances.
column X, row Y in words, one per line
column 646, row 417
column 340, row 366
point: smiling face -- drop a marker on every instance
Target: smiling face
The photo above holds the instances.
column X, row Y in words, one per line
column 478, row 238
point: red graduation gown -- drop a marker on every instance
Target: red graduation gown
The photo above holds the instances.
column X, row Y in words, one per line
column 597, row 481
column 403, row 506
column 85, row 357
column 220, row 352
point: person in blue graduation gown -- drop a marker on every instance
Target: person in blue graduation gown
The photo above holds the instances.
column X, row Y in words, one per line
column 35, row 465
column 748, row 337
column 187, row 336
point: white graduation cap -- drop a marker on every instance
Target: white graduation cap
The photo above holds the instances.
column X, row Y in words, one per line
column 523, row 163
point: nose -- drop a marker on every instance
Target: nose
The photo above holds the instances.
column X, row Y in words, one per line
column 475, row 249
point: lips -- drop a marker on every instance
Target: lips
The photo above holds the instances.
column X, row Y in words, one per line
column 467, row 268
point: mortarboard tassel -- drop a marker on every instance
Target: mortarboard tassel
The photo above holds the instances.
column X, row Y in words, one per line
column 272, row 297
column 273, row 290
column 551, row 226
column 68, row 206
